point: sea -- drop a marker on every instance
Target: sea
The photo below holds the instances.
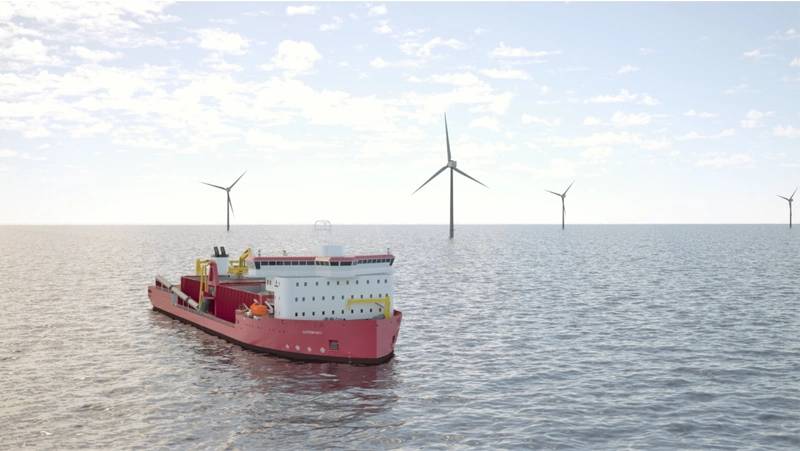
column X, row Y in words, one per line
column 513, row 337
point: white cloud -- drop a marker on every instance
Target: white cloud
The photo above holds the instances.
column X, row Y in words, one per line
column 94, row 56
column 426, row 50
column 506, row 74
column 296, row 56
column 303, row 10
column 742, row 87
column 627, row 69
column 700, row 114
column 222, row 41
column 527, row 119
column 335, row 24
column 787, row 35
column 457, row 79
column 21, row 53
column 691, row 136
column 725, row 161
column 382, row 27
column 756, row 54
column 620, row 119
column 795, row 62
column 786, row 131
column 644, row 51
column 624, row 96
column 7, row 153
column 380, row 63
column 377, row 10
column 753, row 118
column 597, row 154
column 504, row 51
column 591, row 121
column 487, row 122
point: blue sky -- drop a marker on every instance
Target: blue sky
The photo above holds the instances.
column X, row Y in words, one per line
column 661, row 113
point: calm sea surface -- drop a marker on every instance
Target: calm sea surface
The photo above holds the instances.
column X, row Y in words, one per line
column 599, row 337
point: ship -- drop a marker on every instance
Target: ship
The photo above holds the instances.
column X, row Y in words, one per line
column 328, row 307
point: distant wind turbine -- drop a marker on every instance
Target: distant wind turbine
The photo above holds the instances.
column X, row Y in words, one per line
column 562, row 196
column 451, row 164
column 229, row 205
column 789, row 199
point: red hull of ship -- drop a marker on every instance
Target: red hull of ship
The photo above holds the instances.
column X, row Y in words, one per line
column 368, row 341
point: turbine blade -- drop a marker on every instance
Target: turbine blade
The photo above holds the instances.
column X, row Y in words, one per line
column 426, row 182
column 447, row 137
column 468, row 176
column 784, row 198
column 557, row 194
column 570, row 186
column 215, row 186
column 792, row 196
column 237, row 180
column 230, row 205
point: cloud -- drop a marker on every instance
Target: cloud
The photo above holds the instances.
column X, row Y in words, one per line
column 795, row 62
column 644, row 51
column 380, row 63
column 95, row 56
column 382, row 27
column 755, row 54
column 591, row 121
column 487, row 122
column 528, row 119
column 620, row 119
column 222, row 41
column 741, row 87
column 335, row 24
column 700, row 114
column 22, row 53
column 753, row 118
column 303, row 10
column 296, row 56
column 456, row 79
column 624, row 96
column 609, row 139
column 504, row 51
column 7, row 153
column 786, row 131
column 505, row 74
column 377, row 10
column 725, row 161
column 691, row 136
column 627, row 69
column 787, row 35
column 425, row 50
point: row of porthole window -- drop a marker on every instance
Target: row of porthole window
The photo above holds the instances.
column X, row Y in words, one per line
column 333, row 298
column 347, row 282
column 380, row 309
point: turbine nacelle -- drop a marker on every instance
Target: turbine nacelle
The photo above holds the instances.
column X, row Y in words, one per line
column 452, row 164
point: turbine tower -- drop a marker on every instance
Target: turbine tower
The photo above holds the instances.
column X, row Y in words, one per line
column 789, row 199
column 229, row 205
column 451, row 164
column 562, row 196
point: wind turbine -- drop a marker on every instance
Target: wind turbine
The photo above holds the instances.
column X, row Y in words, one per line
column 451, row 164
column 229, row 205
column 562, row 196
column 789, row 199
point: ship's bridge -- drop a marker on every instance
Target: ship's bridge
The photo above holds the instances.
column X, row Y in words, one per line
column 328, row 286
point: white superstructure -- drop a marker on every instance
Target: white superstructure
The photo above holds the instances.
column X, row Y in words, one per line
column 331, row 286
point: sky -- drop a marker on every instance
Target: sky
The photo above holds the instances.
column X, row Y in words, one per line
column 660, row 113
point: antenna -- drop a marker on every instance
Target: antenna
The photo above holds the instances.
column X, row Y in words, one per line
column 453, row 166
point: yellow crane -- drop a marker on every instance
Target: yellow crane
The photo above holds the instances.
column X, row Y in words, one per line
column 238, row 268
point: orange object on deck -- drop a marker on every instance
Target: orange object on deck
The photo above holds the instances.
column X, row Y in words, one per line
column 258, row 309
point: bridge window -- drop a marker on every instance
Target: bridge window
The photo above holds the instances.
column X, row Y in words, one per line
column 295, row 299
column 337, row 282
column 313, row 298
column 328, row 282
column 323, row 298
column 297, row 284
column 295, row 313
column 304, row 313
column 305, row 284
column 362, row 296
column 356, row 281
column 316, row 283
column 304, row 299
